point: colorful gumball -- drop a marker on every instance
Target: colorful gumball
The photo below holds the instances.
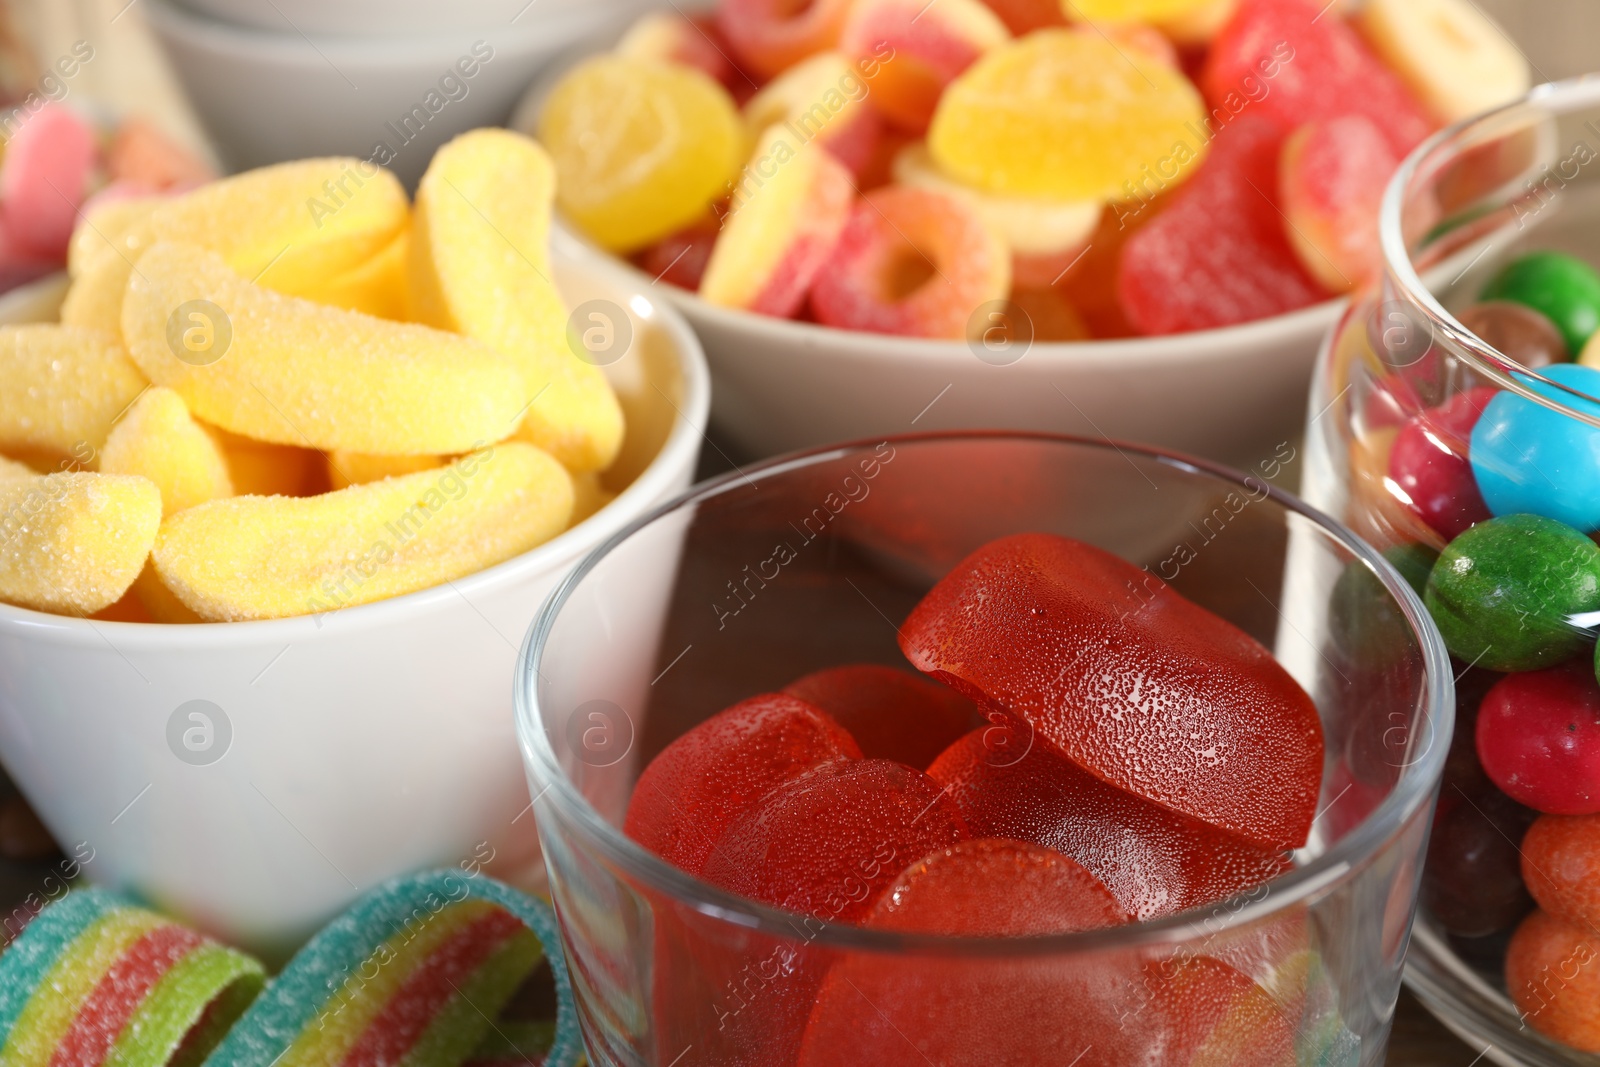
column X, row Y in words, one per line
column 1539, row 739
column 1563, row 288
column 1528, row 458
column 1429, row 464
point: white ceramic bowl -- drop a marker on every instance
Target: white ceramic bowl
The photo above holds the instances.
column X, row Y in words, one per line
column 267, row 96
column 373, row 18
column 374, row 741
column 1234, row 395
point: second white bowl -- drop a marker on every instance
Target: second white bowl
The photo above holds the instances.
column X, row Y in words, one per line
column 333, row 752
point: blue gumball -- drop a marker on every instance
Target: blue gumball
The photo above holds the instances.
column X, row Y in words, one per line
column 1529, row 459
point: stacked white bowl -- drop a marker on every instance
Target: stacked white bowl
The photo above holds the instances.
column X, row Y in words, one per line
column 387, row 80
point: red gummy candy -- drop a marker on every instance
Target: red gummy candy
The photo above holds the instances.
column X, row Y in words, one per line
column 1429, row 463
column 1539, row 739
column 711, row 775
column 1137, row 685
column 1154, row 861
column 828, row 843
column 892, row 714
column 680, row 259
column 1322, row 69
column 1219, row 254
column 873, row 1010
column 1212, row 1014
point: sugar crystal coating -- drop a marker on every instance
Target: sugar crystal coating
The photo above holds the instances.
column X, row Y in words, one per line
column 64, row 387
column 286, row 370
column 157, row 439
column 73, row 543
column 273, row 557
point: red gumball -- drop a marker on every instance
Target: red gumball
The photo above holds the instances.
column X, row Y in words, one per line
column 1429, row 463
column 1539, row 739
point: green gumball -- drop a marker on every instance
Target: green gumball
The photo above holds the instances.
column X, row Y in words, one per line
column 1563, row 289
column 1504, row 594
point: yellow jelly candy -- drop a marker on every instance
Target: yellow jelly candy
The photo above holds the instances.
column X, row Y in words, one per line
column 358, row 468
column 257, row 468
column 61, row 388
column 94, row 299
column 272, row 557
column 290, row 227
column 99, row 234
column 479, row 267
column 377, row 287
column 286, row 370
column 1130, row 10
column 1065, row 115
column 641, row 147
column 73, row 543
column 589, row 496
column 159, row 602
column 12, row 471
column 158, row 440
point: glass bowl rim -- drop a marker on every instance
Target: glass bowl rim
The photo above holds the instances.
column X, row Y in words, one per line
column 1490, row 362
column 1338, row 864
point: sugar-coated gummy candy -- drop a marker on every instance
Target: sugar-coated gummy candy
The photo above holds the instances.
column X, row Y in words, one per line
column 72, row 543
column 1430, row 465
column 696, row 786
column 1289, row 62
column 44, row 178
column 1560, row 860
column 12, row 471
column 641, row 147
column 911, row 261
column 259, row 468
column 1538, row 739
column 1331, row 182
column 589, row 495
column 1505, row 592
column 892, row 713
column 159, row 440
column 141, row 154
column 663, row 35
column 1153, row 861
column 104, row 224
column 358, row 468
column 1543, row 952
column 376, row 287
column 680, row 258
column 286, row 370
column 788, row 211
column 877, row 1010
column 1134, row 683
column 1030, row 226
column 1066, row 115
column 94, row 298
column 1563, row 288
column 479, row 266
column 273, row 557
column 910, row 53
column 1452, row 55
column 1218, row 253
column 769, row 36
column 160, row 603
column 1516, row 331
column 829, row 842
column 821, row 99
column 64, row 387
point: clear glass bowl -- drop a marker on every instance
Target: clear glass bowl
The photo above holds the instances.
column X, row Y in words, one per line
column 1478, row 195
column 811, row 561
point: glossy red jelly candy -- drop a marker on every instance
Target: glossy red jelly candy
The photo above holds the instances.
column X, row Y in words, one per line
column 828, row 843
column 1219, row 254
column 708, row 777
column 1295, row 61
column 891, row 713
column 1154, row 861
column 876, row 1011
column 1141, row 687
column 1429, row 463
column 1210, row 1013
column 1539, row 739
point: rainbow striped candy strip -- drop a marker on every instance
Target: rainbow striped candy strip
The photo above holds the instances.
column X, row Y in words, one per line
column 412, row 976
